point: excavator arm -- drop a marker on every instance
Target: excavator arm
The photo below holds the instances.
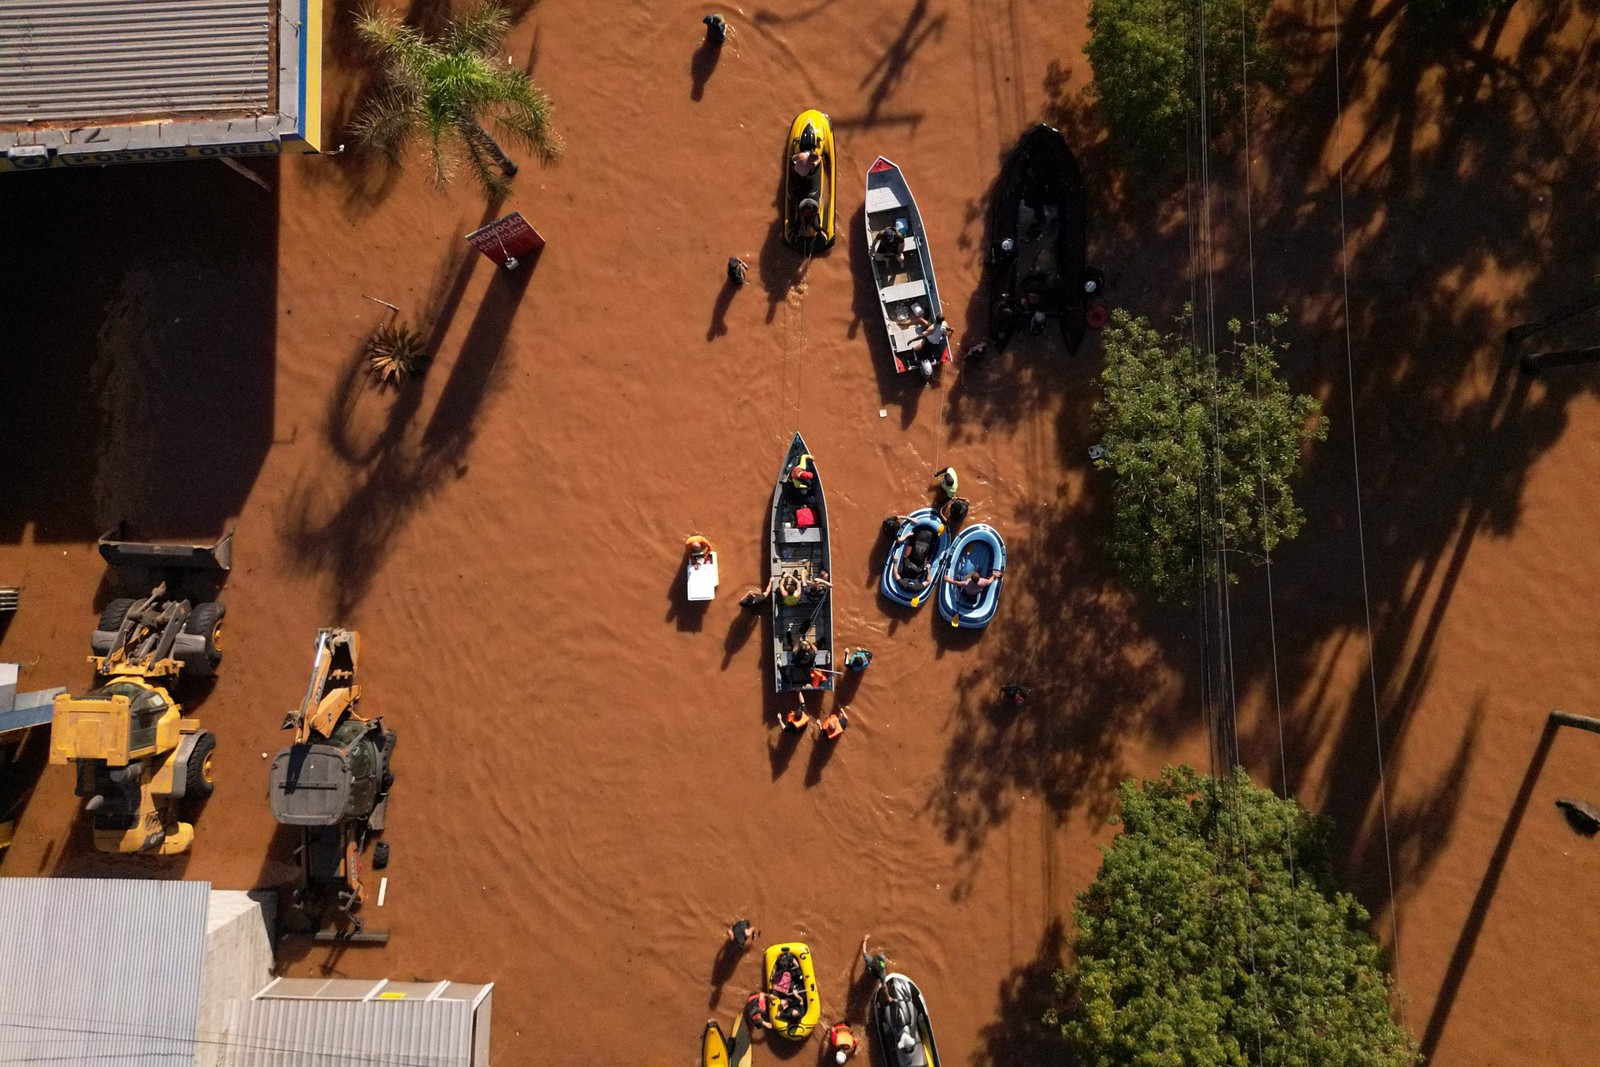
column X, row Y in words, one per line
column 332, row 692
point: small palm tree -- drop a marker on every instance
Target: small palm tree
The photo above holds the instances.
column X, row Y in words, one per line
column 446, row 90
column 398, row 354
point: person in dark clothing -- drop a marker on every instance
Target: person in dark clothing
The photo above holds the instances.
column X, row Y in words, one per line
column 755, row 1010
column 914, row 564
column 1013, row 695
column 736, row 270
column 741, row 933
column 716, row 28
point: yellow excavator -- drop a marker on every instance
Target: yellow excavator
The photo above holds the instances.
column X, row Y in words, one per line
column 138, row 756
column 333, row 783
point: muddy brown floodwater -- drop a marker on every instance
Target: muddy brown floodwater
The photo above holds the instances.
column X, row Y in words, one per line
column 590, row 781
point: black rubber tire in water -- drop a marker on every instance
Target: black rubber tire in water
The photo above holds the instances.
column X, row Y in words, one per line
column 111, row 618
column 198, row 782
column 380, row 855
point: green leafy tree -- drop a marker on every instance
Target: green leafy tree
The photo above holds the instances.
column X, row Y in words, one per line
column 1146, row 60
column 446, row 91
column 1213, row 935
column 1203, row 451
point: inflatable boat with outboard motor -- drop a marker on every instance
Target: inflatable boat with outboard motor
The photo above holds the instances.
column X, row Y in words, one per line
column 1037, row 260
column 977, row 551
column 795, row 1009
column 901, row 1025
column 915, row 563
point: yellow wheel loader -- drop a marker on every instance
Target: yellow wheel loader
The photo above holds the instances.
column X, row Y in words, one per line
column 333, row 783
column 138, row 757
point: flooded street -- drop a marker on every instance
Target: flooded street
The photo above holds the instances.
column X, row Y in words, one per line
column 591, row 783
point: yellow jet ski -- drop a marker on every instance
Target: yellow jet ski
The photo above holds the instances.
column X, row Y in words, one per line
column 808, row 216
column 796, row 1009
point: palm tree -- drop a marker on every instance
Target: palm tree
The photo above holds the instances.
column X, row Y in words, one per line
column 446, row 90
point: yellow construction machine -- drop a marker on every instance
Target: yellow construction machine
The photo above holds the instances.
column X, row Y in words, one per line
column 138, row 757
column 333, row 783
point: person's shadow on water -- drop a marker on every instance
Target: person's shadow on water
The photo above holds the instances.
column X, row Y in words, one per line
column 701, row 66
column 719, row 311
column 722, row 968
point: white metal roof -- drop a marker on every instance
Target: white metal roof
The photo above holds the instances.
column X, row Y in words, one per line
column 291, row 1032
column 100, row 972
column 64, row 60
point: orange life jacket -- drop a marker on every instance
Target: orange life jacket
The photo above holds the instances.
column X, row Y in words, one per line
column 840, row 1037
column 833, row 726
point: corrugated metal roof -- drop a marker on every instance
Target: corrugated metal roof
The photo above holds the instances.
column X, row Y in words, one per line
column 92, row 59
column 100, row 972
column 273, row 1032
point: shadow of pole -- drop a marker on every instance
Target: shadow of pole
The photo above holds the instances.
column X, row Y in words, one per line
column 1467, row 943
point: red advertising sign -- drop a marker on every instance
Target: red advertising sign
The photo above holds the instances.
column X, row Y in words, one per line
column 504, row 239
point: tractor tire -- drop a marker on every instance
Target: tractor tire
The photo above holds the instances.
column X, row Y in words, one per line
column 111, row 618
column 389, row 739
column 205, row 620
column 380, row 855
column 199, row 783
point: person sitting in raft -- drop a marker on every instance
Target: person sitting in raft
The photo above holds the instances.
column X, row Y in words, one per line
column 914, row 564
column 818, row 584
column 810, row 217
column 890, row 243
column 972, row 583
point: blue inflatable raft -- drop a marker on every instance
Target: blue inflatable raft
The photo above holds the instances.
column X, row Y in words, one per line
column 976, row 550
column 907, row 592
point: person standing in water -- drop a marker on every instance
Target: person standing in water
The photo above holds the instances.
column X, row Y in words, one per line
column 716, row 28
column 946, row 482
column 741, row 934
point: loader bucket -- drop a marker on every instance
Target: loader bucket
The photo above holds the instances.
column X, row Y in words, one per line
column 118, row 553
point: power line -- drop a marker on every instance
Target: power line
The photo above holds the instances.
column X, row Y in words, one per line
column 1361, row 537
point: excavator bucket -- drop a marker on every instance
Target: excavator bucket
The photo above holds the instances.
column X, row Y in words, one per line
column 119, row 552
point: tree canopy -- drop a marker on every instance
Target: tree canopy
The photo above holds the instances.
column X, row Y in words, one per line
column 1203, row 450
column 1146, row 60
column 445, row 91
column 1213, row 934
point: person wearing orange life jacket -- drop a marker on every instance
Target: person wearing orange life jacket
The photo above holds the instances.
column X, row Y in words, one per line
column 834, row 726
column 841, row 1042
column 700, row 549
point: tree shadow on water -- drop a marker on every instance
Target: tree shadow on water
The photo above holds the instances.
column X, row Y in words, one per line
column 1068, row 631
column 344, row 527
column 1020, row 1037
